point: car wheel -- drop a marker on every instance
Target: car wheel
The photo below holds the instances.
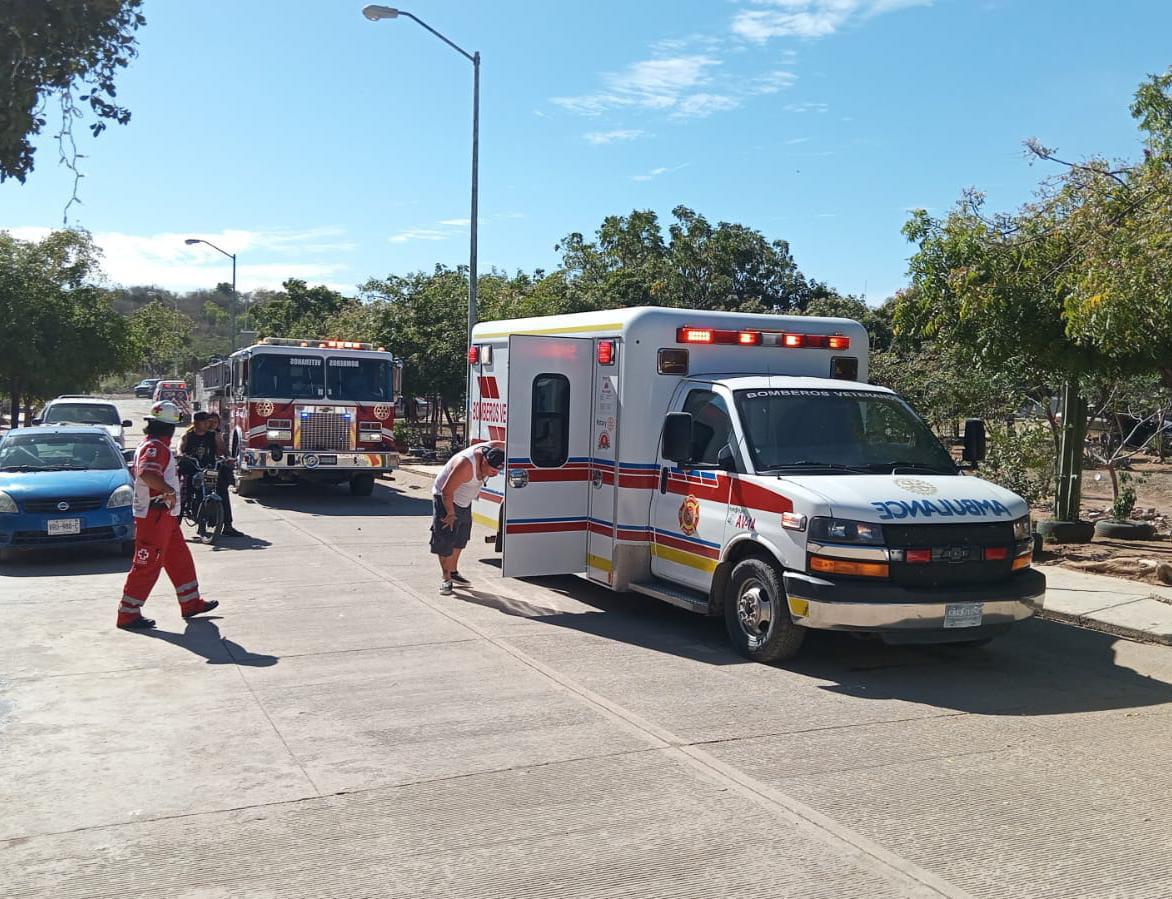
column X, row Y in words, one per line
column 756, row 614
column 126, row 548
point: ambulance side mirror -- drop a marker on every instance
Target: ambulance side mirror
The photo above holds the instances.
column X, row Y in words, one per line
column 677, row 437
column 974, row 441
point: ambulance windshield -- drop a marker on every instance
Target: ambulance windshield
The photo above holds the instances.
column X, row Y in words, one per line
column 852, row 430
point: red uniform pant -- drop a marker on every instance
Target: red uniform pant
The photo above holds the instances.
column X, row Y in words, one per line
column 158, row 546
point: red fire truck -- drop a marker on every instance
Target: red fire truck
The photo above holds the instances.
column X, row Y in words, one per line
column 314, row 410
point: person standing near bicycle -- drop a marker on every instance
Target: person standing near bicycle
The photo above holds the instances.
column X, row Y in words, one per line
column 158, row 539
column 206, row 446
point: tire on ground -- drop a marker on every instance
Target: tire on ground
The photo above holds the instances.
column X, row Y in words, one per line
column 1125, row 530
column 1053, row 531
column 756, row 614
column 361, row 484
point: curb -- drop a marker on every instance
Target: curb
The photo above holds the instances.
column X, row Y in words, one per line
column 1115, row 630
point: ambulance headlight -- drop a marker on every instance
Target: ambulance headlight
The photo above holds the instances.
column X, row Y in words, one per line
column 843, row 530
column 1021, row 528
column 121, row 498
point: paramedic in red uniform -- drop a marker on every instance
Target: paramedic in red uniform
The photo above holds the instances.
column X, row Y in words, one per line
column 455, row 487
column 158, row 540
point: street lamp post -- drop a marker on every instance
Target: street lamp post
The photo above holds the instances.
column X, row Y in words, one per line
column 375, row 13
column 232, row 306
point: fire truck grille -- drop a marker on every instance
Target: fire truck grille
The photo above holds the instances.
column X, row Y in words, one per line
column 325, row 431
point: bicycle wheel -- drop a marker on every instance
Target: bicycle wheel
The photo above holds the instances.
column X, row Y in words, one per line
column 211, row 521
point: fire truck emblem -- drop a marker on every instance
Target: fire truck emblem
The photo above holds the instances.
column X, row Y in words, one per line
column 382, row 411
column 911, row 485
column 689, row 515
column 264, row 408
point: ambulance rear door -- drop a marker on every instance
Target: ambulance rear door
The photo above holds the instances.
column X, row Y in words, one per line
column 547, row 483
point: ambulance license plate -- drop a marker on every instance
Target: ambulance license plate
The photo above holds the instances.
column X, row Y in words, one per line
column 59, row 527
column 962, row 614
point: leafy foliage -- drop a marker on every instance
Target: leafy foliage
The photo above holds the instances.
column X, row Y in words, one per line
column 162, row 336
column 57, row 49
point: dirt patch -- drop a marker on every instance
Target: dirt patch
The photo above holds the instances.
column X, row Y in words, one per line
column 1137, row 560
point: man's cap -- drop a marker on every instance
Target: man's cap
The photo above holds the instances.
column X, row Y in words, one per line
column 494, row 456
column 201, row 416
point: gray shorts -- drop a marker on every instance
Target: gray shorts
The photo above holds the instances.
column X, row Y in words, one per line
column 445, row 541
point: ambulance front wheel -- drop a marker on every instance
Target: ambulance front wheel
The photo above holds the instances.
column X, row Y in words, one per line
column 756, row 614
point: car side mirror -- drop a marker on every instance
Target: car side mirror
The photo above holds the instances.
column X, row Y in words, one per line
column 677, row 437
column 128, row 456
column 37, row 421
column 974, row 441
column 128, row 423
column 725, row 459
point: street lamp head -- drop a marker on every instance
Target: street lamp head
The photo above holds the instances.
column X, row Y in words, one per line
column 374, row 13
column 192, row 240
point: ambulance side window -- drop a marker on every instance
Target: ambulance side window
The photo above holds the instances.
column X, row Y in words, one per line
column 549, row 436
column 711, row 425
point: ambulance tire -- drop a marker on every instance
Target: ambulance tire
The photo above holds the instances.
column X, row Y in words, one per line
column 361, row 484
column 756, row 614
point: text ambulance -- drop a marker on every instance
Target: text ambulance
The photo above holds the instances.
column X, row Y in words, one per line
column 315, row 410
column 740, row 465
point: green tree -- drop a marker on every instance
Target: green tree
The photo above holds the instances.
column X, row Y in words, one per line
column 61, row 331
column 297, row 310
column 161, row 338
column 68, row 49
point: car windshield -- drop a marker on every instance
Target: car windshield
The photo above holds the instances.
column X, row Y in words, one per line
column 279, row 376
column 851, row 430
column 172, row 393
column 58, row 452
column 358, row 380
column 82, row 414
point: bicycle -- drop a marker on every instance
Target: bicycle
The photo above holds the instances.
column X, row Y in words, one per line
column 203, row 508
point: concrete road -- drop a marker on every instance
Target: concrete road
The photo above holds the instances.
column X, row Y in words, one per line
column 340, row 729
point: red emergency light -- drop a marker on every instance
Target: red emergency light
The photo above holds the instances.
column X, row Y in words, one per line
column 473, row 355
column 694, row 335
column 763, row 338
column 606, row 352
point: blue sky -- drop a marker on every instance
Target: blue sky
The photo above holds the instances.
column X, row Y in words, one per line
column 316, row 144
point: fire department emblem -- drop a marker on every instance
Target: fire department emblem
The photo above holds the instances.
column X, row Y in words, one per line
column 382, row 411
column 264, row 408
column 911, row 485
column 690, row 515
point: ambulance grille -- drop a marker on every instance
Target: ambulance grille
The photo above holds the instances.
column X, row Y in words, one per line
column 325, row 431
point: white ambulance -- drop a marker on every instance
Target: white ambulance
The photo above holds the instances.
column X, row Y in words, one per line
column 741, row 465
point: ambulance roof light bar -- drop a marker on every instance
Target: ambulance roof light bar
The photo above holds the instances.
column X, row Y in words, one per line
column 763, row 338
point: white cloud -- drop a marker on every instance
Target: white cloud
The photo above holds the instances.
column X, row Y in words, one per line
column 650, row 84
column 456, row 223
column 797, row 140
column 607, row 137
column 809, row 18
column 165, row 260
column 807, row 107
column 772, row 82
column 420, row 234
column 698, row 106
column 656, row 172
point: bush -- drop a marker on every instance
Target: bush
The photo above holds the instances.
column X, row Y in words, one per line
column 1022, row 462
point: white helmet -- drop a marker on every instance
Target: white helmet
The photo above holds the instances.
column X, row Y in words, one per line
column 164, row 411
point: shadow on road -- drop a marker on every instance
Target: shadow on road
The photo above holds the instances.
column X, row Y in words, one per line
column 201, row 637
column 325, row 499
column 72, row 561
column 1038, row 668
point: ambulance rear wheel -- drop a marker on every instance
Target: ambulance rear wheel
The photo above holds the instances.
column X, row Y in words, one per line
column 361, row 484
column 756, row 614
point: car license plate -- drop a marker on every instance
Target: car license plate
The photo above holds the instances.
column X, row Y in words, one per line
column 962, row 614
column 61, row 526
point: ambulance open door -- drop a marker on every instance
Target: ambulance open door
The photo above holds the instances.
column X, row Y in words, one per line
column 547, row 475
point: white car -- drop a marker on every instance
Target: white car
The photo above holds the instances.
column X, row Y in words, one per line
column 85, row 410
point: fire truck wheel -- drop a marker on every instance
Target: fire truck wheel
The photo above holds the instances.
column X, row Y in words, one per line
column 246, row 487
column 361, row 484
column 756, row 614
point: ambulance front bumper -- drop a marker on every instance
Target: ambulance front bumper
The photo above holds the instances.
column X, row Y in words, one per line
column 944, row 613
column 298, row 460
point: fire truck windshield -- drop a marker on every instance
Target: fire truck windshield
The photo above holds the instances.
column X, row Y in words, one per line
column 281, row 376
column 358, row 380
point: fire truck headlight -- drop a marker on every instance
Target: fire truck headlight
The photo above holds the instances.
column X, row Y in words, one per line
column 370, row 436
column 280, row 435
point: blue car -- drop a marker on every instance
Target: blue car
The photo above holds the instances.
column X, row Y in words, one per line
column 61, row 486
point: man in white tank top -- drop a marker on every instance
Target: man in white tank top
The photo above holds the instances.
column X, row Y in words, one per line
column 455, row 487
